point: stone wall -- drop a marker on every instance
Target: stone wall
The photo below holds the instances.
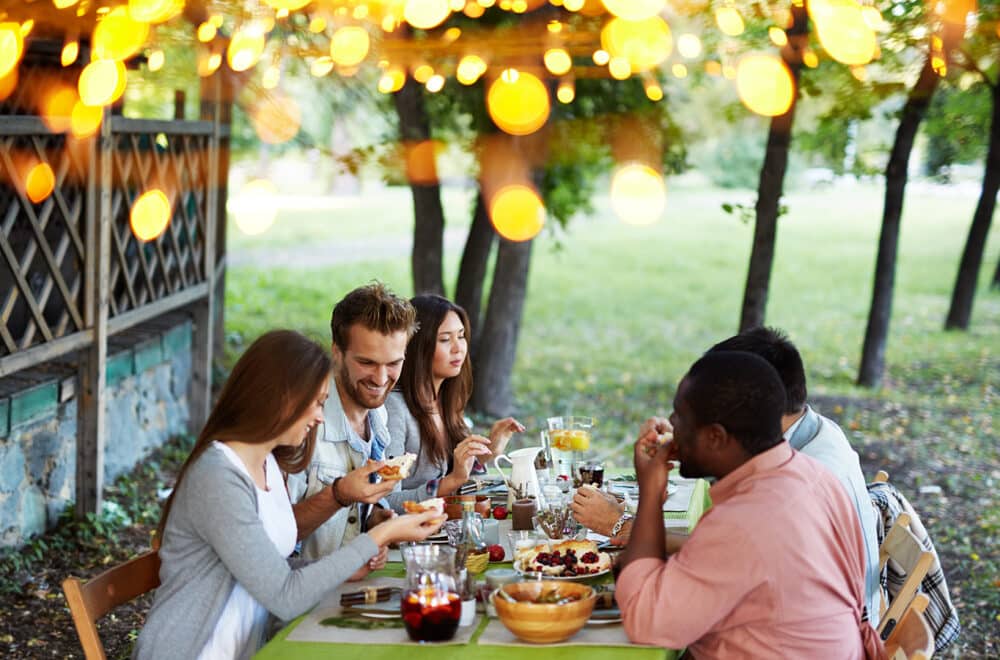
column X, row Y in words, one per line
column 148, row 374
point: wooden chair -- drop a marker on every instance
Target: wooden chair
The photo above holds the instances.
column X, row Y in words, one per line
column 912, row 639
column 89, row 601
column 902, row 546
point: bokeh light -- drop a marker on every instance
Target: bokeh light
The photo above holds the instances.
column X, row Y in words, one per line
column 150, row 215
column 85, row 120
column 11, row 47
column 321, row 66
column 426, row 14
column 289, row 5
column 644, row 44
column 518, row 102
column 435, row 83
column 349, row 45
column 421, row 162
column 843, row 31
column 40, row 182
column 245, row 47
column 689, row 46
column 156, row 60
column 635, row 10
column 619, row 68
column 118, row 36
column 764, row 84
column 154, row 11
column 653, row 91
column 638, row 194
column 102, row 82
column 469, row 69
column 276, row 118
column 566, row 91
column 255, row 207
column 70, row 51
column 517, row 213
column 57, row 107
column 729, row 21
column 601, row 57
column 392, row 80
column 557, row 61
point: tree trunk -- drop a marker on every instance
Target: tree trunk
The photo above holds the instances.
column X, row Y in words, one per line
column 996, row 277
column 877, row 332
column 492, row 393
column 428, row 214
column 771, row 183
column 960, row 312
column 472, row 271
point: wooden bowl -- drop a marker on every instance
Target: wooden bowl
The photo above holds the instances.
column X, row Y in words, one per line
column 544, row 623
column 453, row 505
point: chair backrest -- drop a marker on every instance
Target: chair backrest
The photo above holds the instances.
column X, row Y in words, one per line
column 89, row 601
column 902, row 547
column 912, row 639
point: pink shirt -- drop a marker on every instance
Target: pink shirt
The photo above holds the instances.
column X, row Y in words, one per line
column 776, row 568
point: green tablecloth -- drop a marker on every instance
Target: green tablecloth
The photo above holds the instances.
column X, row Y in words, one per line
column 281, row 649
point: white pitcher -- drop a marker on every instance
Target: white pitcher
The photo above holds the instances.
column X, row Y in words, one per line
column 522, row 474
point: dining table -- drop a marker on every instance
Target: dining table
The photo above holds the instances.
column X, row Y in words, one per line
column 306, row 639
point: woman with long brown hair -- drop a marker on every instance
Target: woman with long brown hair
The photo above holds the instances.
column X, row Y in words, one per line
column 427, row 412
column 227, row 530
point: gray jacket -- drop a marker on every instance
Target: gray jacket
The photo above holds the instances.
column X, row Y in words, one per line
column 214, row 538
column 404, row 433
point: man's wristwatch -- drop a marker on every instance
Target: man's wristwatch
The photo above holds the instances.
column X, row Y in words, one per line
column 621, row 523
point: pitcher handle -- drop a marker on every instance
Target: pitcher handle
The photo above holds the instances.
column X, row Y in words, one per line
column 496, row 464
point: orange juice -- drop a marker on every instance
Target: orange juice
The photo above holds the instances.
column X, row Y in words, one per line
column 579, row 440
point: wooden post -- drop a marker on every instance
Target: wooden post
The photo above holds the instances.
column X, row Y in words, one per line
column 203, row 311
column 180, row 98
column 90, row 429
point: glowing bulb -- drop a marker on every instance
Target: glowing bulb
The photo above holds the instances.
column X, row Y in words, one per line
column 85, row 120
column 638, row 194
column 557, row 61
column 729, row 21
column 154, row 11
column 425, row 14
column 469, row 69
column 349, row 45
column 517, row 213
column 101, row 82
column 643, row 44
column 255, row 207
column 150, row 215
column 11, row 47
column 118, row 36
column 634, row 10
column 518, row 102
column 245, row 47
column 435, row 83
column 566, row 92
column 764, row 85
column 689, row 46
column 40, row 182
column 156, row 60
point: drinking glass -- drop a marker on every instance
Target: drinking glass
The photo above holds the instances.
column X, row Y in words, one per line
column 568, row 435
column 589, row 472
column 432, row 602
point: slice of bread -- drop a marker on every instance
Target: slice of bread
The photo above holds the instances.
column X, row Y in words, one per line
column 433, row 504
column 398, row 467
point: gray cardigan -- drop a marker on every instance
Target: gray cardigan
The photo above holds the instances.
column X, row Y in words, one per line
column 213, row 539
column 404, row 434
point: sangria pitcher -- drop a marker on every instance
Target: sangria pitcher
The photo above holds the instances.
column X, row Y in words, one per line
column 432, row 601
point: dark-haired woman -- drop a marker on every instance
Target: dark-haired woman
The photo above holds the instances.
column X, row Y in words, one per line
column 427, row 412
column 228, row 530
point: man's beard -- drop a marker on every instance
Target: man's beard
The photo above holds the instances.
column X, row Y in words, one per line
column 360, row 394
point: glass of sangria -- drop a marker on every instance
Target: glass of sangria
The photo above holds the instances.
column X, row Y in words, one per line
column 431, row 602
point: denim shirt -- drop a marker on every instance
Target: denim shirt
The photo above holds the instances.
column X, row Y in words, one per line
column 338, row 451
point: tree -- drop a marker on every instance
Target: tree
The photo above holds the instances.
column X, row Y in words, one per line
column 772, row 178
column 896, row 173
column 963, row 294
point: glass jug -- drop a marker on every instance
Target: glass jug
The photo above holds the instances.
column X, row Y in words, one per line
column 432, row 601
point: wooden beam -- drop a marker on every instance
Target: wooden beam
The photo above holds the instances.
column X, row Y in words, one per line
column 151, row 310
column 90, row 430
column 121, row 124
column 41, row 353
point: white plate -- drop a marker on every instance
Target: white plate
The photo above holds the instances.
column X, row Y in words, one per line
column 568, row 578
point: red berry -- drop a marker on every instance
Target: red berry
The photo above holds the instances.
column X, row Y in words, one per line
column 500, row 512
column 496, row 552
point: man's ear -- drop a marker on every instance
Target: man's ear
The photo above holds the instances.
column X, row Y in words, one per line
column 336, row 354
column 716, row 437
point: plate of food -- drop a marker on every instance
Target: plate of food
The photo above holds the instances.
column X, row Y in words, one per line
column 563, row 560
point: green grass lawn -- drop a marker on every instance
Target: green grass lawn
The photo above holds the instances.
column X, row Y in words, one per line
column 616, row 313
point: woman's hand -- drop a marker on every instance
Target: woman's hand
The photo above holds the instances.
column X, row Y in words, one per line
column 411, row 527
column 373, row 564
column 500, row 434
column 466, row 453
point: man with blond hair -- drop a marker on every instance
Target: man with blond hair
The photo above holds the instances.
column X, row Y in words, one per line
column 337, row 497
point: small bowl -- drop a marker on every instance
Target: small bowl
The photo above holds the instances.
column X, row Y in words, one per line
column 543, row 623
column 453, row 505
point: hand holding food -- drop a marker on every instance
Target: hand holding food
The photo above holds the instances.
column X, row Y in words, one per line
column 397, row 468
column 356, row 486
column 433, row 504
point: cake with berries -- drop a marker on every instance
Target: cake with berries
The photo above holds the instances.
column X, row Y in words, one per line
column 566, row 559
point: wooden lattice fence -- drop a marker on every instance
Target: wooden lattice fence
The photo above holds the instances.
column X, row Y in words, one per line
column 73, row 273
